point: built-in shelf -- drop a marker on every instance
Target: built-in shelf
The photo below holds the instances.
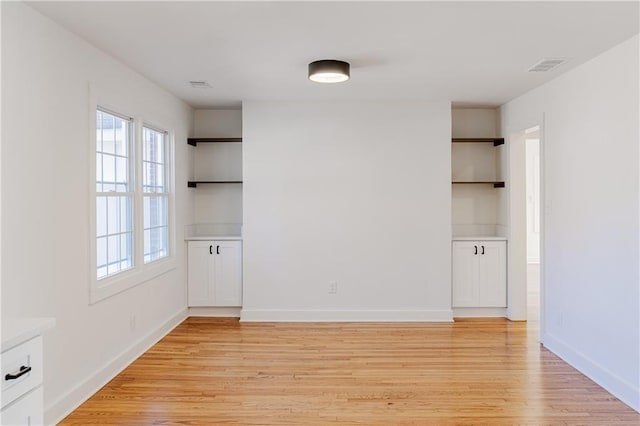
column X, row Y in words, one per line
column 494, row 141
column 196, row 141
column 496, row 184
column 194, row 183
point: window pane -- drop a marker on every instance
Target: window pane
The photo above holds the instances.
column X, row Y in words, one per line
column 156, row 227
column 146, row 214
column 108, row 173
column 101, row 216
column 153, row 212
column 101, row 250
column 125, row 247
column 147, row 176
column 159, row 172
column 99, row 178
column 153, row 160
column 122, row 171
column 126, row 211
column 113, row 152
column 114, row 214
column 106, row 132
column 113, row 254
column 121, row 136
column 147, row 245
column 114, row 225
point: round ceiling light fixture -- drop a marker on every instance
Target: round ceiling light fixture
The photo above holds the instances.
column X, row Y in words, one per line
column 329, row 71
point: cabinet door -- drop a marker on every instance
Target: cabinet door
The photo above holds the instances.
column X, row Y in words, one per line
column 200, row 273
column 492, row 277
column 465, row 274
column 228, row 273
column 26, row 411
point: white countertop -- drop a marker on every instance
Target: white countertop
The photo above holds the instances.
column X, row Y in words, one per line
column 480, row 238
column 213, row 237
column 18, row 330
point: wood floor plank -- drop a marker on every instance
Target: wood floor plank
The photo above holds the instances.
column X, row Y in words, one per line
column 212, row 371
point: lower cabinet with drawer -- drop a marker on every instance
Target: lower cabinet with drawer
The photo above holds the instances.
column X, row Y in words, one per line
column 26, row 410
column 22, row 378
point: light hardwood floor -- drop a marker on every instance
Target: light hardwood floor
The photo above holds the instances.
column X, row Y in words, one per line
column 477, row 372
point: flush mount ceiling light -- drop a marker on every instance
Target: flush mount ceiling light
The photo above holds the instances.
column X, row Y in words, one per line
column 329, row 71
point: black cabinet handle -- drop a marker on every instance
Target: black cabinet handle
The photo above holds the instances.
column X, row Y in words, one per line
column 217, row 249
column 475, row 247
column 210, row 249
column 23, row 370
column 483, row 250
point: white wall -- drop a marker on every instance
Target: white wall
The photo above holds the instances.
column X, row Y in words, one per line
column 353, row 192
column 220, row 203
column 45, row 198
column 591, row 285
column 474, row 122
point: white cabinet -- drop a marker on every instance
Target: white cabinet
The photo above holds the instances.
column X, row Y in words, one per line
column 479, row 274
column 22, row 377
column 25, row 411
column 215, row 273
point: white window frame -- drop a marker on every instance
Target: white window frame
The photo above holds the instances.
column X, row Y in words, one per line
column 101, row 289
column 168, row 170
column 130, row 193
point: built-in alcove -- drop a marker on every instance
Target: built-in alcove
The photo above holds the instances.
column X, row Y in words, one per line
column 478, row 209
column 216, row 177
column 477, row 174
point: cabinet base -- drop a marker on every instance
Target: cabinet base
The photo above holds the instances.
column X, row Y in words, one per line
column 479, row 312
column 316, row 315
column 233, row 312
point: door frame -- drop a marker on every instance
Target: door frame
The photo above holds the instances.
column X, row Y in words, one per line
column 517, row 226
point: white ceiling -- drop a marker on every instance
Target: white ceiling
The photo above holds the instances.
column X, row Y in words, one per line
column 466, row 52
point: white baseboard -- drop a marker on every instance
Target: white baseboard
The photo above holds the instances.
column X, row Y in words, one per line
column 214, row 312
column 285, row 315
column 479, row 312
column 617, row 386
column 65, row 404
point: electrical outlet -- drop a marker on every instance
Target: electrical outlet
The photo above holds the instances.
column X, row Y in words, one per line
column 333, row 287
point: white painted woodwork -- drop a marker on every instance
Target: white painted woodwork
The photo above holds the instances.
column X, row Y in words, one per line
column 200, row 273
column 214, row 273
column 22, row 400
column 479, row 274
column 27, row 354
column 228, row 273
column 492, row 274
column 465, row 272
column 25, row 411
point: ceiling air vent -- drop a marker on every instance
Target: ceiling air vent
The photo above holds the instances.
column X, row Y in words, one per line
column 547, row 64
column 200, row 84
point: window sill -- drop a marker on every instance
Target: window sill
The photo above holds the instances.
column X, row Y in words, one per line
column 108, row 287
